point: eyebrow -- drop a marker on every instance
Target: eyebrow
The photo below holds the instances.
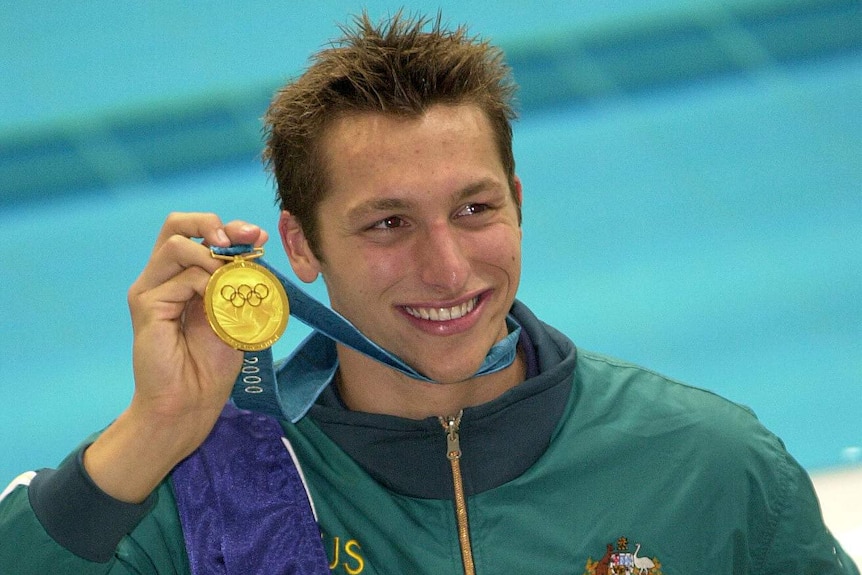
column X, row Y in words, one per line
column 480, row 186
column 366, row 209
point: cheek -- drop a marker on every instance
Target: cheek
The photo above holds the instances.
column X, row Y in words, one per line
column 503, row 249
column 383, row 267
column 505, row 255
column 369, row 273
column 515, row 265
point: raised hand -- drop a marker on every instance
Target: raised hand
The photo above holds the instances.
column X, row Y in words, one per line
column 183, row 372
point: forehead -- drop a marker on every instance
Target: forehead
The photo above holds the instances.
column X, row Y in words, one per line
column 364, row 143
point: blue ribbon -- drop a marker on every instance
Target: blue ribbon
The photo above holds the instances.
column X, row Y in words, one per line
column 287, row 389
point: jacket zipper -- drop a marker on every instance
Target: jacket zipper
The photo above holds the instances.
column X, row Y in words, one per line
column 451, row 425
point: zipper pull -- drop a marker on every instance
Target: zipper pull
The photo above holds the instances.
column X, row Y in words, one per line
column 452, row 425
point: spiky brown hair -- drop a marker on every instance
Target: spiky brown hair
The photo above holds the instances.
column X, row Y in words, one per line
column 401, row 66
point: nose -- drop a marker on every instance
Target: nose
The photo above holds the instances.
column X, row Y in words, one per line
column 442, row 259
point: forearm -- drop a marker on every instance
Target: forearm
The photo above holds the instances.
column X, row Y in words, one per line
column 135, row 454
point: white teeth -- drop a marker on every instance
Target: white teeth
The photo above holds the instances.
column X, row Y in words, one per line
column 443, row 313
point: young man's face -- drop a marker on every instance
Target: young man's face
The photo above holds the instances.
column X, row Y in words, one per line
column 419, row 236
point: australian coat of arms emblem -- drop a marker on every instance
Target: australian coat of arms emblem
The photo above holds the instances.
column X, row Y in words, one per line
column 623, row 561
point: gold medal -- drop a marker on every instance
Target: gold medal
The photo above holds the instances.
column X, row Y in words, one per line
column 246, row 305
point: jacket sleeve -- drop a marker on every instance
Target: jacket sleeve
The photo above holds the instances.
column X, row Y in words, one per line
column 801, row 543
column 63, row 523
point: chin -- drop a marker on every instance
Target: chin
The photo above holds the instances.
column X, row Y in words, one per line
column 450, row 375
column 464, row 361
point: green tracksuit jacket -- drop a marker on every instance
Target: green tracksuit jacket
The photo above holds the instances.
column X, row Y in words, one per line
column 591, row 466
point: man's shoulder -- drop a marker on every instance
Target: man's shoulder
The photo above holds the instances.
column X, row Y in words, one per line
column 630, row 381
column 644, row 403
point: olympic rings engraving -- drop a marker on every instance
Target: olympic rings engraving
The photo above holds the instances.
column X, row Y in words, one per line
column 245, row 294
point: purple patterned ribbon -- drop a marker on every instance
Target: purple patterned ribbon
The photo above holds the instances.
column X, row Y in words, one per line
column 243, row 505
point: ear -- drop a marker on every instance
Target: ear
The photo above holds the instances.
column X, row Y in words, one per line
column 519, row 194
column 519, row 191
column 303, row 261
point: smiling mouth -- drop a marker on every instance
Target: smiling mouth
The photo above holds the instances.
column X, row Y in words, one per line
column 443, row 313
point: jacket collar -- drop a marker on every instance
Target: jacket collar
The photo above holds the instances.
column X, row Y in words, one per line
column 500, row 439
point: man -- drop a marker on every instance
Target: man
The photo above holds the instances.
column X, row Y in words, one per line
column 393, row 160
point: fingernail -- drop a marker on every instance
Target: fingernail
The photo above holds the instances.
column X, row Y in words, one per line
column 222, row 237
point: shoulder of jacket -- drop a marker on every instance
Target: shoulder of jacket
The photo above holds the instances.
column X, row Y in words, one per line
column 660, row 404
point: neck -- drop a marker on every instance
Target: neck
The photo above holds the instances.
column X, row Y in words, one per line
column 368, row 386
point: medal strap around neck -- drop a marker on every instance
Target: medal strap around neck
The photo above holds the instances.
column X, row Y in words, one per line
column 289, row 388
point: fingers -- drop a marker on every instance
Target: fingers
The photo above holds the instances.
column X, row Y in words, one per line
column 166, row 301
column 240, row 232
column 176, row 247
column 170, row 258
column 207, row 227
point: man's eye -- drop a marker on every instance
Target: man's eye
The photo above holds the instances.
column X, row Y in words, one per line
column 473, row 209
column 388, row 223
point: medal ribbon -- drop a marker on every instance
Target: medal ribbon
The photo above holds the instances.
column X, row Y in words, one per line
column 243, row 505
column 310, row 368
